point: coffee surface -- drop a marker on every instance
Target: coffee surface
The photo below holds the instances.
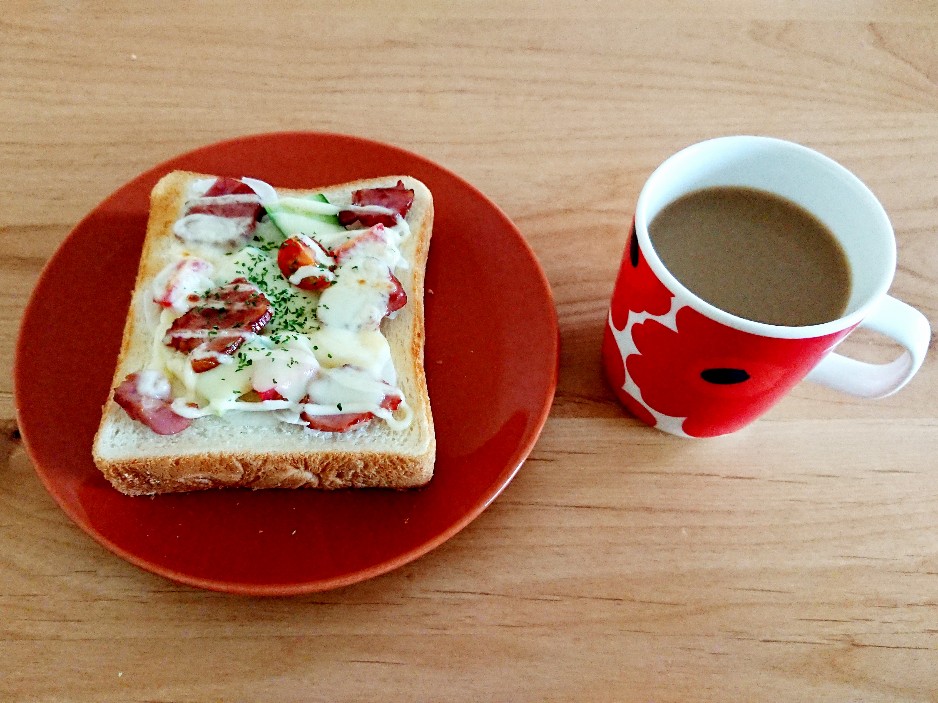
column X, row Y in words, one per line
column 755, row 255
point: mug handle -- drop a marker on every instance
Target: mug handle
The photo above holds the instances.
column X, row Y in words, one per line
column 896, row 320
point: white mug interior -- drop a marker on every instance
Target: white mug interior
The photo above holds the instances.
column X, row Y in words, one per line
column 815, row 182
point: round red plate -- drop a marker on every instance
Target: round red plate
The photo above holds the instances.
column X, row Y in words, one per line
column 491, row 358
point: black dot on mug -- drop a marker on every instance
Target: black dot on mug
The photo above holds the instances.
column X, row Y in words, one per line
column 633, row 250
column 724, row 377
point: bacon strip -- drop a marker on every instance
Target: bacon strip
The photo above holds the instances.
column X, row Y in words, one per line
column 397, row 198
column 226, row 216
column 219, row 323
column 154, row 412
column 344, row 421
column 226, row 208
column 228, row 186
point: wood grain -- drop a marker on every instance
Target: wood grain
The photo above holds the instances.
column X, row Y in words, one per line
column 797, row 560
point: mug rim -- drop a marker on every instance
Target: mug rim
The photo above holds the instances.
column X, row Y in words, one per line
column 764, row 329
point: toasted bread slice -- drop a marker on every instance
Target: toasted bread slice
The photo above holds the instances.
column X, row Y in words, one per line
column 256, row 449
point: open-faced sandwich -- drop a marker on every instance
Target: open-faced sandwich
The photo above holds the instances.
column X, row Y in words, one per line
column 275, row 339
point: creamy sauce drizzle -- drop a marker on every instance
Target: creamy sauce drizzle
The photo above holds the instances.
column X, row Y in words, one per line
column 337, row 361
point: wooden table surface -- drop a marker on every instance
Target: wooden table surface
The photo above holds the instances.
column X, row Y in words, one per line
column 795, row 561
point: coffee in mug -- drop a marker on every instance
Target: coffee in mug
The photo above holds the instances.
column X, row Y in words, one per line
column 753, row 254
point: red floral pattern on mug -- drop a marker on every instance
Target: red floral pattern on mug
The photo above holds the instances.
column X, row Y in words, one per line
column 637, row 287
column 717, row 377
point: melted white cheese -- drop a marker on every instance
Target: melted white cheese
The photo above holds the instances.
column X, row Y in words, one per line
column 366, row 349
column 324, row 348
column 316, row 270
column 359, row 298
column 179, row 279
column 346, row 389
column 224, row 232
column 153, row 384
column 286, row 368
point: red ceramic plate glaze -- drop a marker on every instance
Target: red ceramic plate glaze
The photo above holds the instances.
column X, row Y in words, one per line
column 491, row 359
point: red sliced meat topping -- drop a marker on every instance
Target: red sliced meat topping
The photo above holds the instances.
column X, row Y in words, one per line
column 228, row 186
column 398, row 297
column 219, row 323
column 231, row 199
column 391, row 402
column 226, row 208
column 270, row 394
column 156, row 413
column 345, row 421
column 335, row 423
column 376, row 234
column 396, row 198
column 227, row 221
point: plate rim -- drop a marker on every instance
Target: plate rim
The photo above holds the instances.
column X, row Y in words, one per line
column 278, row 589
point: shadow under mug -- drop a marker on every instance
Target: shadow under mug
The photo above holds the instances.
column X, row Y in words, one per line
column 689, row 368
